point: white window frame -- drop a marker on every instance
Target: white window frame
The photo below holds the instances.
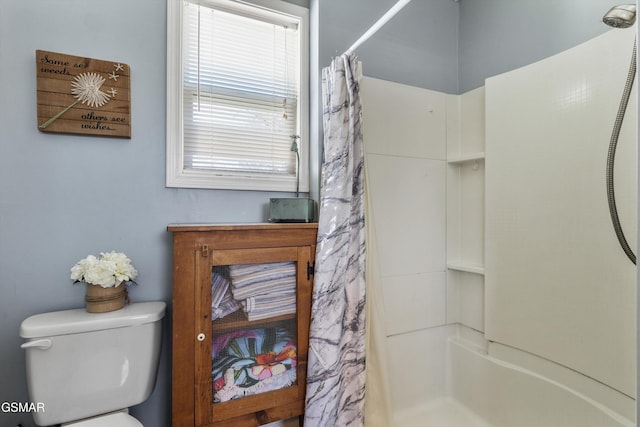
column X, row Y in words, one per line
column 176, row 174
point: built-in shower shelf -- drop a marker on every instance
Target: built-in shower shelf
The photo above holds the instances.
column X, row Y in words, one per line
column 465, row 158
column 467, row 268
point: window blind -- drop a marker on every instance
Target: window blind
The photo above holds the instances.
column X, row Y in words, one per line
column 240, row 89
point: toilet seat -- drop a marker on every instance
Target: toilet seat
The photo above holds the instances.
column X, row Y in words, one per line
column 117, row 419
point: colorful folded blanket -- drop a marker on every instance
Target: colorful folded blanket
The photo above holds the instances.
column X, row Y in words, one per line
column 252, row 361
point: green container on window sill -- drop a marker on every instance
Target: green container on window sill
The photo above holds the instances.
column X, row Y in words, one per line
column 298, row 209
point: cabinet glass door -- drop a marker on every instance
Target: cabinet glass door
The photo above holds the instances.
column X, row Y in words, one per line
column 249, row 354
column 254, row 329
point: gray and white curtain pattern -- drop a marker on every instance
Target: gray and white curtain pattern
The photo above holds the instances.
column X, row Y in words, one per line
column 336, row 370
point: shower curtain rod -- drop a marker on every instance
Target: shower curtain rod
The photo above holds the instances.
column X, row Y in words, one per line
column 379, row 24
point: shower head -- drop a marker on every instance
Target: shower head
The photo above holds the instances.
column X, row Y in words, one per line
column 621, row 16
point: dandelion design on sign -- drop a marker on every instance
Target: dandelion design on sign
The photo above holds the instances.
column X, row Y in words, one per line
column 86, row 89
column 82, row 95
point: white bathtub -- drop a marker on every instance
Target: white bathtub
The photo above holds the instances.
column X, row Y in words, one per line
column 493, row 385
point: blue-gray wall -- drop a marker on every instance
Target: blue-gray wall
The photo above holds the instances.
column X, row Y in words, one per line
column 64, row 197
column 418, row 47
column 500, row 35
column 451, row 46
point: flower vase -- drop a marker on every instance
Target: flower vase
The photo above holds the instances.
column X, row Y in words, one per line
column 103, row 300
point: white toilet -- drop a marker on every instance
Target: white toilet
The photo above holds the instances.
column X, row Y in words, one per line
column 86, row 369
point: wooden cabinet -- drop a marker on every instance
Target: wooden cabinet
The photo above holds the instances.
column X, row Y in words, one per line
column 247, row 368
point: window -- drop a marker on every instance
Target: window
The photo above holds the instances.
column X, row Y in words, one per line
column 237, row 95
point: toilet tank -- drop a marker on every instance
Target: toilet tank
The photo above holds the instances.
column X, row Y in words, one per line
column 82, row 364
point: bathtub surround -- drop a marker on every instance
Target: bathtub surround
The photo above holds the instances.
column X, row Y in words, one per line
column 437, row 311
column 548, row 129
column 405, row 136
column 377, row 404
column 336, row 371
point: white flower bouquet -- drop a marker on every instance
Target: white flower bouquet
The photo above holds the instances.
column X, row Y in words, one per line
column 109, row 270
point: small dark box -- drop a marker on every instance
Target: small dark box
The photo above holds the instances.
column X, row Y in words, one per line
column 291, row 210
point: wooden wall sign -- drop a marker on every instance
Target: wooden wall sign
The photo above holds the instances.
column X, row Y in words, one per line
column 82, row 96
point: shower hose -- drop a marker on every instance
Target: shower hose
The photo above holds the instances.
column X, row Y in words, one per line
column 611, row 196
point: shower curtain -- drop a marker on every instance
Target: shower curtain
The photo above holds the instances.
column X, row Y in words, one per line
column 336, row 370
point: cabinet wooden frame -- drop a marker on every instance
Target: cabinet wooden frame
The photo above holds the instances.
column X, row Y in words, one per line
column 196, row 249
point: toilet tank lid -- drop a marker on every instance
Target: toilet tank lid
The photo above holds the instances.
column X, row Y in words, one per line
column 79, row 320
